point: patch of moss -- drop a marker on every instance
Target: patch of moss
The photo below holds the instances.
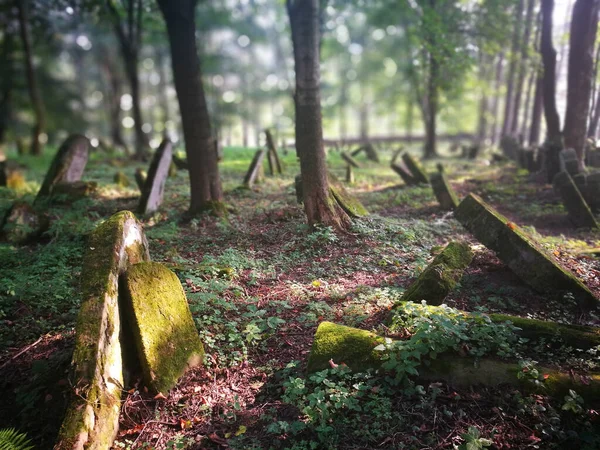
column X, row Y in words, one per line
column 441, row 275
column 351, row 346
column 351, row 205
column 163, row 329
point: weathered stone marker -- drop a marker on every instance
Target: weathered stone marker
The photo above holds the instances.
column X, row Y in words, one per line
column 443, row 191
column 154, row 187
column 592, row 193
column 22, row 223
column 520, row 252
column 255, row 171
column 406, row 176
column 369, row 150
column 92, row 418
column 441, row 275
column 272, row 157
column 140, row 178
column 350, row 160
column 415, row 168
column 568, row 161
column 68, row 164
column 579, row 211
column 164, row 333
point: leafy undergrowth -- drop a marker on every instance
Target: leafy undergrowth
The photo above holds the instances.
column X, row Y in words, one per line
column 259, row 285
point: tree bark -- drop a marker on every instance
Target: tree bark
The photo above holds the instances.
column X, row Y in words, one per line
column 496, row 103
column 432, row 108
column 6, row 85
column 512, row 68
column 482, row 124
column 205, row 184
column 536, row 113
column 527, row 107
column 584, row 26
column 32, row 82
column 319, row 204
column 549, row 79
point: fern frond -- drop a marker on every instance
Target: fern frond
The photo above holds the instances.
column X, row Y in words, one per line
column 11, row 439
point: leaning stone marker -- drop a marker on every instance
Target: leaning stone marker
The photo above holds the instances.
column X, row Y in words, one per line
column 406, row 176
column 68, row 164
column 443, row 191
column 92, row 418
column 121, row 179
column 441, row 275
column 579, row 211
column 568, row 161
column 255, row 170
column 520, row 252
column 22, row 223
column 415, row 168
column 164, row 333
column 593, row 191
column 154, row 187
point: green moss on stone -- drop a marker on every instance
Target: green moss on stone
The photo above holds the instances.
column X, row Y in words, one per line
column 441, row 275
column 350, row 204
column 522, row 254
column 443, row 191
column 342, row 344
column 163, row 329
column 415, row 168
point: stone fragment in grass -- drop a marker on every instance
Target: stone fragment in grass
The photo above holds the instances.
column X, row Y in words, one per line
column 255, row 171
column 154, row 187
column 521, row 253
column 577, row 208
column 441, row 275
column 22, row 223
column 68, row 164
column 92, row 417
column 443, row 191
column 140, row 178
column 157, row 311
column 415, row 168
column 121, row 179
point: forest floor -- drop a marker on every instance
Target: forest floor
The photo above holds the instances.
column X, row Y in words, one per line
column 259, row 285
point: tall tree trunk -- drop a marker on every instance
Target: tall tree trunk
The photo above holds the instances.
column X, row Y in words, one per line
column 6, row 85
column 410, row 111
column 512, row 69
column 536, row 113
column 562, row 54
column 163, row 86
column 32, row 82
column 549, row 79
column 584, row 26
column 432, row 108
column 482, row 124
column 319, row 204
column 593, row 128
column 514, row 128
column 496, row 103
column 527, row 107
column 205, row 184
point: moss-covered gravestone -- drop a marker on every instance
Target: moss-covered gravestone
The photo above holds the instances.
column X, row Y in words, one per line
column 568, row 161
column 520, row 252
column 415, row 168
column 441, row 275
column 154, row 187
column 22, row 223
column 92, row 418
column 443, row 191
column 165, row 337
column 68, row 164
column 255, row 171
column 579, row 211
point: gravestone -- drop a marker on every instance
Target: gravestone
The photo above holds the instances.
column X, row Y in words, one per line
column 163, row 329
column 140, row 178
column 154, row 187
column 22, row 224
column 551, row 157
column 255, row 171
column 406, row 176
column 593, row 191
column 577, row 208
column 273, row 157
column 415, row 168
column 68, row 164
column 349, row 174
column 510, row 146
column 371, row 153
column 441, row 275
column 350, row 160
column 521, row 253
column 443, row 191
column 568, row 161
column 350, row 204
column 92, row 417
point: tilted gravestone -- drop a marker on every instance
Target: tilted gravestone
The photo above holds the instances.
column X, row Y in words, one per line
column 404, row 173
column 255, row 171
column 568, row 161
column 68, row 164
column 443, row 191
column 579, row 211
column 350, row 160
column 154, row 187
column 272, row 156
column 121, row 179
column 163, row 329
column 523, row 255
column 92, row 418
column 415, row 168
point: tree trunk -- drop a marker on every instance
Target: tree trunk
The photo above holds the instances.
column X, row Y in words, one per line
column 512, row 69
column 482, row 124
column 593, row 128
column 163, row 87
column 319, row 203
column 205, row 184
column 410, row 108
column 562, row 55
column 514, row 128
column 113, row 92
column 527, row 107
column 549, row 79
column 584, row 26
column 432, row 108
column 32, row 82
column 536, row 113
column 6, row 85
column 496, row 103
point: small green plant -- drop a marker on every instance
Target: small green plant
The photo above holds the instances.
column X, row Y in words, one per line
column 473, row 440
column 573, row 402
column 11, row 439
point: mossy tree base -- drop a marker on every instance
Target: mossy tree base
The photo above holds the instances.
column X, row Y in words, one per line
column 92, row 418
column 350, row 204
column 520, row 252
column 165, row 337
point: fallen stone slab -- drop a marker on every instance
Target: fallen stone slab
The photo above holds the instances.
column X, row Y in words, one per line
column 415, row 168
column 140, row 178
column 92, row 417
column 22, row 224
column 576, row 206
column 154, row 187
column 444, row 193
column 442, row 275
column 350, row 160
column 356, row 349
column 406, row 176
column 68, row 164
column 522, row 254
column 163, row 329
column 255, row 171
